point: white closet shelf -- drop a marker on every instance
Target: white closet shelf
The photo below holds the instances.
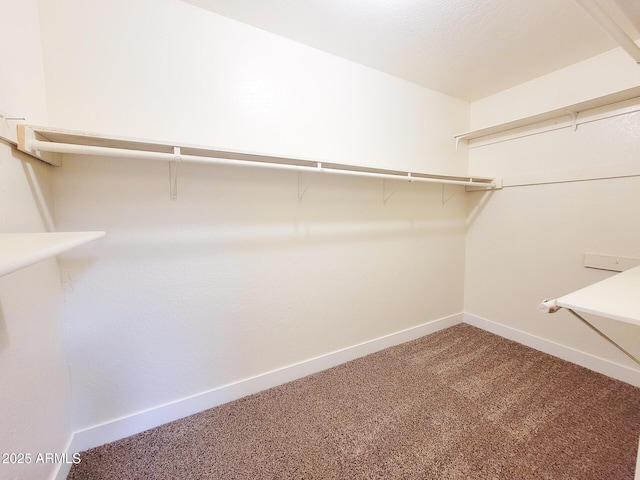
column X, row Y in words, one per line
column 569, row 110
column 19, row 250
column 48, row 144
column 617, row 297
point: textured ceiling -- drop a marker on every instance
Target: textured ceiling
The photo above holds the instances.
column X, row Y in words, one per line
column 465, row 48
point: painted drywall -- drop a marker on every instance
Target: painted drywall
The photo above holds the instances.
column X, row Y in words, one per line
column 22, row 93
column 527, row 243
column 239, row 276
column 35, row 392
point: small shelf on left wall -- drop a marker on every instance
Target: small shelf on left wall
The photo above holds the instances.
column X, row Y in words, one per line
column 19, row 250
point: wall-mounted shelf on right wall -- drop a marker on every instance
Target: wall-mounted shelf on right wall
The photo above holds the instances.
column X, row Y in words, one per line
column 19, row 250
column 615, row 297
column 571, row 111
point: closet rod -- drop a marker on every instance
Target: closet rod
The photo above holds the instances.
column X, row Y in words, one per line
column 55, row 147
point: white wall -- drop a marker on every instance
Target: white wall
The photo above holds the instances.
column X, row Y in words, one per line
column 527, row 243
column 239, row 276
column 34, row 396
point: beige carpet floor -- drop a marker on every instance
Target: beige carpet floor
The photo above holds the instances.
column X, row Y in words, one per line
column 458, row 404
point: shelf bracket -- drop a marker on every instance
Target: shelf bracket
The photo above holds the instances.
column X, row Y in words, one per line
column 574, row 118
column 458, row 138
column 386, row 196
column 302, row 185
column 445, row 199
column 599, row 332
column 173, row 173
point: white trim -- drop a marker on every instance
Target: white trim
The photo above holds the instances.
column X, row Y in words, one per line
column 597, row 364
column 139, row 422
column 62, row 472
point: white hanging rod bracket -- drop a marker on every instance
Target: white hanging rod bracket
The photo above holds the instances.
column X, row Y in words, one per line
column 41, row 142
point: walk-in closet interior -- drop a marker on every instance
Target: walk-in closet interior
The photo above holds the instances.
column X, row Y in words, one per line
column 201, row 200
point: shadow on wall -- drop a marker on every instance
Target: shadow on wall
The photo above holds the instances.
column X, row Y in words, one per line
column 32, row 169
column 476, row 203
column 193, row 241
column 135, row 194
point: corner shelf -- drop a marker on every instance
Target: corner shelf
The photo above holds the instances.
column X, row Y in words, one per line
column 19, row 250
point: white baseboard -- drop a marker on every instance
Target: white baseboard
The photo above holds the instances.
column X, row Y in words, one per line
column 63, row 469
column 597, row 364
column 139, row 422
column 63, row 472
